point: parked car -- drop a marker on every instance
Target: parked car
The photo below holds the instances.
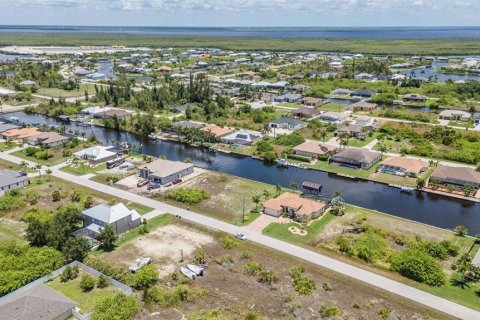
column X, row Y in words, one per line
column 240, row 236
column 68, row 161
column 177, row 181
column 142, row 183
column 152, row 186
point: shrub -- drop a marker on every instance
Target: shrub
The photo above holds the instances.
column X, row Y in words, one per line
column 434, row 249
column 344, row 246
column 167, row 298
column 328, row 312
column 326, row 286
column 267, row 277
column 69, row 273
column 269, row 157
column 56, row 196
column 107, row 268
column 252, row 268
column 102, row 281
column 292, row 139
column 116, row 307
column 200, row 257
column 145, row 277
column 370, row 247
column 225, row 260
column 188, row 196
column 9, row 203
column 302, row 283
column 228, row 242
column 246, row 255
column 385, row 313
column 87, row 283
column 419, row 266
column 460, row 231
column 298, row 158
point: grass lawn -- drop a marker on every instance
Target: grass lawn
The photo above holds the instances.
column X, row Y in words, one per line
column 4, row 146
column 7, row 165
column 332, row 107
column 141, row 209
column 247, row 150
column 461, row 124
column 85, row 300
column 358, row 173
column 280, row 230
column 12, row 230
column 56, row 92
column 83, row 169
column 358, row 143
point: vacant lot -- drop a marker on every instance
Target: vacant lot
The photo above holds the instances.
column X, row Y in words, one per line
column 230, row 196
column 11, row 230
column 232, row 294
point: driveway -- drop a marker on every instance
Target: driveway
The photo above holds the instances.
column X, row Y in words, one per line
column 260, row 223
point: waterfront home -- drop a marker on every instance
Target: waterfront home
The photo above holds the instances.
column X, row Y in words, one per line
column 10, row 180
column 306, row 112
column 79, row 71
column 165, row 171
column 412, row 97
column 402, row 166
column 287, row 98
column 242, row 137
column 364, row 121
column 457, row 176
column 188, row 125
column 334, row 117
column 37, row 302
column 7, row 126
column 363, row 93
column 49, row 139
column 314, row 149
column 96, row 76
column 286, row 123
column 94, row 110
column 455, row 115
column 362, row 106
column 311, row 101
column 215, row 130
column 294, row 206
column 7, row 92
column 118, row 216
column 341, row 92
column 356, row 158
column 20, row 134
column 99, row 154
column 115, row 113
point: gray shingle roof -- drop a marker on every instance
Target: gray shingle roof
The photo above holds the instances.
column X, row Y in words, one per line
column 109, row 214
column 8, row 178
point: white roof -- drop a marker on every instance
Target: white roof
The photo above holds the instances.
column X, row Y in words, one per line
column 95, row 110
column 4, row 91
column 95, row 153
column 110, row 214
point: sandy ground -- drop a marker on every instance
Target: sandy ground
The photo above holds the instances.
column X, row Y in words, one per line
column 164, row 245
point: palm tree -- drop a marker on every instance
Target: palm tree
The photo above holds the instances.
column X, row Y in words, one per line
column 266, row 194
column 278, row 189
column 49, row 172
column 256, row 200
column 39, row 168
column 383, row 149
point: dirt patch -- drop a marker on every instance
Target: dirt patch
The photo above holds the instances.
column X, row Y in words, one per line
column 164, row 245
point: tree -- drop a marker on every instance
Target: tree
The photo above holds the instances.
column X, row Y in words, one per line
column 39, row 168
column 107, row 237
column 419, row 266
column 278, row 189
column 420, row 183
column 293, row 185
column 256, row 199
column 266, row 194
column 383, row 149
column 87, row 283
column 102, row 281
column 36, row 233
column 118, row 307
column 49, row 172
column 460, row 231
column 75, row 248
column 337, row 204
column 88, row 202
column 145, row 277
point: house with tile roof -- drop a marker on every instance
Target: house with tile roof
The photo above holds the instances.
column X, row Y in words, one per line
column 294, row 206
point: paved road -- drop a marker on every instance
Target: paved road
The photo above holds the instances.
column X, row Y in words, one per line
column 427, row 299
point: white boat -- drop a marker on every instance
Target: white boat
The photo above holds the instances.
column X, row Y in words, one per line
column 407, row 189
column 139, row 263
column 188, row 273
column 198, row 270
column 152, row 136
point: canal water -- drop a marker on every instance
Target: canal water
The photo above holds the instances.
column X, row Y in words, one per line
column 423, row 207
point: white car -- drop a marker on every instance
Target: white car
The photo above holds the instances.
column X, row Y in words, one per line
column 68, row 161
column 240, row 236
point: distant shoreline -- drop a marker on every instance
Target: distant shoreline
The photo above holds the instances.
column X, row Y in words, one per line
column 359, row 45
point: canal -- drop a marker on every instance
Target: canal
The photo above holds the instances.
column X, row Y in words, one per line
column 423, row 207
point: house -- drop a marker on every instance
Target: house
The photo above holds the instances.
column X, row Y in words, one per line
column 28, row 83
column 314, row 149
column 217, row 131
column 50, row 139
column 411, row 97
column 357, row 158
column 11, row 180
column 334, row 117
column 311, row 101
column 184, row 107
column 7, row 126
column 341, row 92
column 294, row 206
column 364, row 121
column 20, row 134
column 79, row 71
column 96, row 76
column 94, row 110
column 115, row 113
column 363, row 76
column 242, row 137
column 288, row 98
column 363, row 93
column 7, row 92
column 99, row 154
column 286, row 123
column 165, row 171
column 118, row 216
column 354, row 130
column 454, row 115
column 459, row 176
column 40, row 302
column 402, row 166
column 306, row 112
column 362, row 106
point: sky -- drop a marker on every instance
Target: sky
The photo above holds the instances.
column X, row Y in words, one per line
column 286, row 13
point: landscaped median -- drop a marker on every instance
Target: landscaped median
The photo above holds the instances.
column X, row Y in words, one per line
column 384, row 243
